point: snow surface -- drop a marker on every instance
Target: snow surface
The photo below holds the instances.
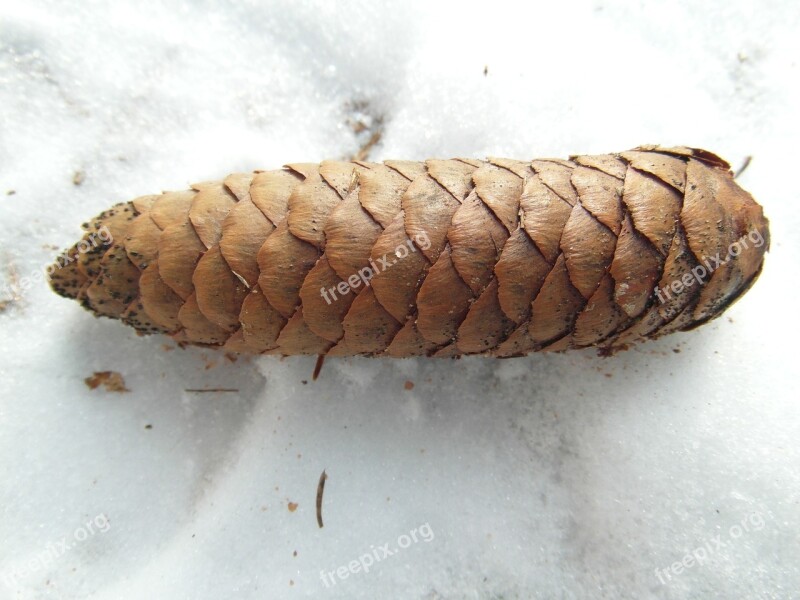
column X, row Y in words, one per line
column 566, row 476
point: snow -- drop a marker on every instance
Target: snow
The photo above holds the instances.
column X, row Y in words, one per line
column 549, row 476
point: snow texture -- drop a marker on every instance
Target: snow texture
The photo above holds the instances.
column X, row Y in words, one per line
column 551, row 476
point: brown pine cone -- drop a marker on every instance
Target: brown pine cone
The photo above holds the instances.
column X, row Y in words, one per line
column 437, row 258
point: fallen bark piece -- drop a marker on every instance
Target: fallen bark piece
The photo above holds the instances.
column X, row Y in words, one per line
column 110, row 380
column 497, row 258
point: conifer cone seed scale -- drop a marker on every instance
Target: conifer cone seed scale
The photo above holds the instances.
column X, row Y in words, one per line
column 437, row 258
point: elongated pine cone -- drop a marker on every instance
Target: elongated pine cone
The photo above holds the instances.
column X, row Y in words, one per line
column 437, row 258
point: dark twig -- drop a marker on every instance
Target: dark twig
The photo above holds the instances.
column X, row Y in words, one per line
column 363, row 152
column 745, row 164
column 320, row 490
column 318, row 367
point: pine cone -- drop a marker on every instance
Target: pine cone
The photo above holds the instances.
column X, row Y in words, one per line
column 436, row 258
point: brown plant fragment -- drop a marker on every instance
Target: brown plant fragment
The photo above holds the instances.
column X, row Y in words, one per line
column 110, row 380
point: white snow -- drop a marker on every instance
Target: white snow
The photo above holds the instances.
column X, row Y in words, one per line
column 550, row 476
